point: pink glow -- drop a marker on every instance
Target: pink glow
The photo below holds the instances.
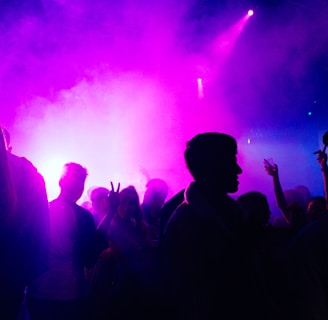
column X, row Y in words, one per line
column 112, row 126
column 51, row 168
column 200, row 88
column 113, row 86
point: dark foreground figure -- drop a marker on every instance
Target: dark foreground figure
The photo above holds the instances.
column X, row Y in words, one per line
column 205, row 263
column 24, row 227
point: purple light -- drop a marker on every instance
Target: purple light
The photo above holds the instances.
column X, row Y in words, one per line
column 250, row 12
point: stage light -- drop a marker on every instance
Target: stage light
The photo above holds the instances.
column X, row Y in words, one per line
column 250, row 12
column 200, row 88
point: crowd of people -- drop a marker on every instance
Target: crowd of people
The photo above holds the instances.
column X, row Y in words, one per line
column 199, row 255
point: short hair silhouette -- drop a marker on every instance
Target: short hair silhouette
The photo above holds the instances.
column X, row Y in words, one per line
column 98, row 192
column 159, row 186
column 255, row 206
column 208, row 150
column 73, row 170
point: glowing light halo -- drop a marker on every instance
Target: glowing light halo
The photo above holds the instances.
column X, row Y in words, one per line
column 250, row 12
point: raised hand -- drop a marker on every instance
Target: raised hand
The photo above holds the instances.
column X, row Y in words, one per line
column 271, row 169
column 144, row 172
column 322, row 159
column 114, row 200
column 112, row 186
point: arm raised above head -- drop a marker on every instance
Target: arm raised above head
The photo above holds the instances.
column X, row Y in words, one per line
column 322, row 160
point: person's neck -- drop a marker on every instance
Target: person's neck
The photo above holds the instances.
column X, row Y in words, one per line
column 66, row 197
column 211, row 192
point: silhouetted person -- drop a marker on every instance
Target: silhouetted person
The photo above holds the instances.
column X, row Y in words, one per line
column 129, row 242
column 322, row 160
column 102, row 214
column 316, row 208
column 62, row 292
column 267, row 247
column 102, row 276
column 257, row 213
column 204, row 257
column 24, row 227
column 307, row 296
column 291, row 203
column 154, row 198
column 99, row 197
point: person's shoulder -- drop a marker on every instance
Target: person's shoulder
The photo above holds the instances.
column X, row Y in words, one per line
column 315, row 231
column 182, row 212
column 21, row 161
column 181, row 218
column 230, row 203
column 23, row 166
column 84, row 218
column 83, row 211
column 174, row 201
column 58, row 204
column 312, row 239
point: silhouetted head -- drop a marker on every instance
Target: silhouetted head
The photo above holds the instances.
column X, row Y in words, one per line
column 296, row 206
column 129, row 206
column 72, row 181
column 293, row 195
column 87, row 205
column 304, row 195
column 211, row 159
column 316, row 208
column 156, row 193
column 99, row 197
column 256, row 208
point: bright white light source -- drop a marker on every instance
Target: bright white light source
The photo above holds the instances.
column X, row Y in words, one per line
column 250, row 12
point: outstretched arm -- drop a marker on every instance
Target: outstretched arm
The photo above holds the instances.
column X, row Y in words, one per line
column 322, row 160
column 272, row 170
column 145, row 173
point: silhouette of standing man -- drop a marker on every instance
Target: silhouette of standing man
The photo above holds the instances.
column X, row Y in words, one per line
column 24, row 227
column 62, row 291
column 203, row 255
